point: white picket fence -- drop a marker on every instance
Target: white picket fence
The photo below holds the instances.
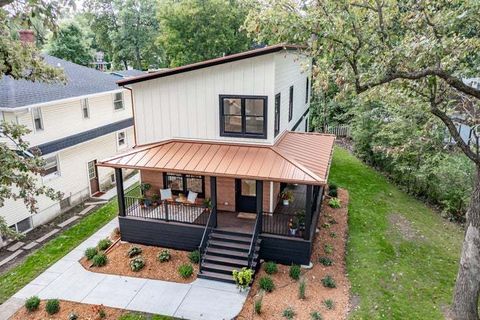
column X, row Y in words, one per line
column 339, row 131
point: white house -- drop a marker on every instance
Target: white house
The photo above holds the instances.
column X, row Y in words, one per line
column 74, row 125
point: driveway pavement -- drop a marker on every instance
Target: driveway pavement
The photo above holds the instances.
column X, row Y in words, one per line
column 68, row 280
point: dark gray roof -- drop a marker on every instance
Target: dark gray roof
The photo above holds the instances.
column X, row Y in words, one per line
column 127, row 73
column 81, row 81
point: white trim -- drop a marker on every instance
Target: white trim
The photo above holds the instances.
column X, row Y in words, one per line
column 47, row 103
column 271, row 196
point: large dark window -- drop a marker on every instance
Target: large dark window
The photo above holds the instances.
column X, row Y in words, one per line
column 277, row 113
column 182, row 183
column 307, row 88
column 243, row 116
column 290, row 104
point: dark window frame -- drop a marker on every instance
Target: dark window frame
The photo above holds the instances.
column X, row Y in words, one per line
column 184, row 183
column 278, row 100
column 243, row 133
column 290, row 103
column 307, row 90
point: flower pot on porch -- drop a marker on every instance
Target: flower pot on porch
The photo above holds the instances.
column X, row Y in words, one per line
column 285, row 202
column 292, row 232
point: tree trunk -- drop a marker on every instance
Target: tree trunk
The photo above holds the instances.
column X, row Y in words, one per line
column 467, row 286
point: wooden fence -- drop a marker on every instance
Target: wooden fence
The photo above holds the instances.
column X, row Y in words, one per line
column 339, row 131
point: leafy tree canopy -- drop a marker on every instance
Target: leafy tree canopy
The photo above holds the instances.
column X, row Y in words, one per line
column 71, row 43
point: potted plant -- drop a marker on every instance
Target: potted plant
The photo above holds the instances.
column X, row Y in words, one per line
column 207, row 202
column 293, row 226
column 142, row 203
column 144, row 187
column 287, row 197
column 155, row 200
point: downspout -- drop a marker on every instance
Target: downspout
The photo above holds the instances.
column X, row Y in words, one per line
column 133, row 114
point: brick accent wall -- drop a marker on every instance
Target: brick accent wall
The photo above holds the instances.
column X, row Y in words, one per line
column 155, row 178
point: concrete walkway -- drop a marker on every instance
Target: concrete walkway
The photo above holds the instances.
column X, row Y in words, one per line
column 110, row 194
column 68, row 280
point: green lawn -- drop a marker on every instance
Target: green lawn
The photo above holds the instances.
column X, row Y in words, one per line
column 52, row 251
column 395, row 278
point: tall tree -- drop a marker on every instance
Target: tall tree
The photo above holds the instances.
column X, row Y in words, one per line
column 415, row 49
column 71, row 43
column 195, row 30
column 126, row 31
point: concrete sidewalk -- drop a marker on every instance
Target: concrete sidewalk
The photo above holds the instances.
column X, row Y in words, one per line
column 68, row 280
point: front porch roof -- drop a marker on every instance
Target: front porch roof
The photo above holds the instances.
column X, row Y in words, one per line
column 296, row 157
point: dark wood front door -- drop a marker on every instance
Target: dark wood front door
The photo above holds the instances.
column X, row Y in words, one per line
column 93, row 177
column 246, row 196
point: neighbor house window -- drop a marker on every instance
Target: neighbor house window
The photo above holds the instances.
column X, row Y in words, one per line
column 307, row 88
column 121, row 139
column 37, row 118
column 290, row 104
column 243, row 116
column 182, row 183
column 118, row 101
column 51, row 166
column 85, row 109
column 277, row 114
column 24, row 225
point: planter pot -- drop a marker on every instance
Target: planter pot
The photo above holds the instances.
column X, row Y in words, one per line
column 292, row 232
column 286, row 202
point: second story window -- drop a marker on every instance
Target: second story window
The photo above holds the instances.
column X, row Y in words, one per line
column 290, row 104
column 277, row 114
column 37, row 119
column 51, row 167
column 307, row 88
column 85, row 109
column 121, row 139
column 118, row 101
column 243, row 116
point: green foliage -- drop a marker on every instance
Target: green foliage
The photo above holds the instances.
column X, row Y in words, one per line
column 242, row 278
column 333, row 192
column 104, row 244
column 333, row 234
column 90, row 253
column 258, row 302
column 332, row 186
column 99, row 260
column 164, row 256
column 71, row 43
column 194, row 256
column 52, row 306
column 134, row 251
column 270, row 267
column 32, row 303
column 194, row 30
column 295, row 271
column 266, row 284
column 326, row 261
column 334, row 203
column 288, row 313
column 328, row 248
column 315, row 315
column 302, row 286
column 329, row 282
column 137, row 263
column 185, row 270
column 329, row 304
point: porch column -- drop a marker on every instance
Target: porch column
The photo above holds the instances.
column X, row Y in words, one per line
column 213, row 196
column 308, row 212
column 259, row 195
column 120, row 192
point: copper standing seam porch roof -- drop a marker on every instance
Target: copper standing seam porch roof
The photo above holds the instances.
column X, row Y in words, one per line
column 296, row 157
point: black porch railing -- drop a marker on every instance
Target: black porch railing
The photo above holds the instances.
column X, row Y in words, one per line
column 209, row 227
column 282, row 224
column 166, row 211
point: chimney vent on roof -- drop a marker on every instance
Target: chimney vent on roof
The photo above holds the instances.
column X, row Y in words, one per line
column 27, row 36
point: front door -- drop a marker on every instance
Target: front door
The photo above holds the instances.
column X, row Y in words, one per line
column 93, row 177
column 246, row 196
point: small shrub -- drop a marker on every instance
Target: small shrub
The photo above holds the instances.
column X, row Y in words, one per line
column 333, row 192
column 266, row 283
column 289, row 313
column 257, row 304
column 32, row 303
column 329, row 304
column 326, row 225
column 52, row 306
column 270, row 267
column 99, row 260
column 104, row 244
column 329, row 282
column 194, row 256
column 302, row 285
column 328, row 248
column 185, row 270
column 90, row 253
column 332, row 186
column 115, row 233
column 332, row 221
column 134, row 251
column 295, row 271
column 334, row 203
column 333, row 234
column 137, row 263
column 242, row 278
column 73, row 316
column 164, row 256
column 315, row 315
column 326, row 261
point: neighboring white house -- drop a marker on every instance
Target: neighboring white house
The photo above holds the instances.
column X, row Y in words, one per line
column 73, row 125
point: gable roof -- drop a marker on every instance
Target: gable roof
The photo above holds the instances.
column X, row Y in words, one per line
column 296, row 158
column 127, row 73
column 81, row 81
column 209, row 63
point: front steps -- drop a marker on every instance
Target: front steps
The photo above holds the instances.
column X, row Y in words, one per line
column 225, row 252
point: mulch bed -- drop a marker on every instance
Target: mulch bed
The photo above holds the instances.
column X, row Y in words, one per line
column 84, row 311
column 118, row 263
column 285, row 293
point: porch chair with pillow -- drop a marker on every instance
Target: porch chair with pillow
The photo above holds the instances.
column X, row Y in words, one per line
column 166, row 194
column 192, row 197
